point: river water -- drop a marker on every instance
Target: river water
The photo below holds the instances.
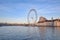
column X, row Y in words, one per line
column 29, row 33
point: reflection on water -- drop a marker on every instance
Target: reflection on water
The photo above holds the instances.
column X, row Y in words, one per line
column 29, row 33
column 47, row 33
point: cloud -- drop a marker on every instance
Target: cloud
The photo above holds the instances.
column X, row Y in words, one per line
column 20, row 8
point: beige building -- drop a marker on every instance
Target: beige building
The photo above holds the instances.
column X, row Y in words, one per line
column 44, row 22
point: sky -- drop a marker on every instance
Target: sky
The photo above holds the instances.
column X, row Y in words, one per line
column 16, row 11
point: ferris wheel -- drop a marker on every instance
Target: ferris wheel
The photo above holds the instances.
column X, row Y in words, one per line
column 32, row 16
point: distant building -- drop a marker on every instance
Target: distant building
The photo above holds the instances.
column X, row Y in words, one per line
column 42, row 19
column 44, row 22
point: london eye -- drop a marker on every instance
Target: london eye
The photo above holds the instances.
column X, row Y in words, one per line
column 32, row 16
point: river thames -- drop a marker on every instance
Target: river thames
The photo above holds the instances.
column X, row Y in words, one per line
column 29, row 33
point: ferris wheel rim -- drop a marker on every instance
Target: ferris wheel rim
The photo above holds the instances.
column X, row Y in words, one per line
column 35, row 12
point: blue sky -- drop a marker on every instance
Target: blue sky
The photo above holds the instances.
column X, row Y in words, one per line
column 16, row 11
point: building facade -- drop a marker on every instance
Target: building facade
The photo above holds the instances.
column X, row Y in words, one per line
column 44, row 22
